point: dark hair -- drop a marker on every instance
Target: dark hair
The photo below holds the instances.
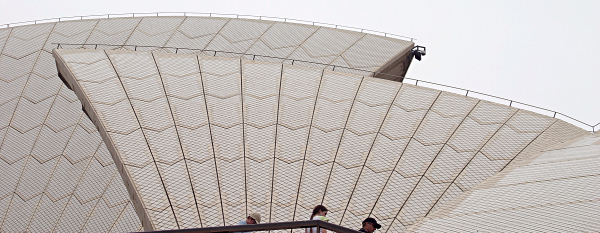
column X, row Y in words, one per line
column 316, row 210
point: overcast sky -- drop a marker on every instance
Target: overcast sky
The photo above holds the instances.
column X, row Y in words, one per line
column 543, row 53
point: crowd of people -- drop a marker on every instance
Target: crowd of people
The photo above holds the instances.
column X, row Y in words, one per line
column 369, row 225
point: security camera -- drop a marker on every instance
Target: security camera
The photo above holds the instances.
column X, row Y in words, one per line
column 418, row 52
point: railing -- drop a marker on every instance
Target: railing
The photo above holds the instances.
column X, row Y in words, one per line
column 237, row 16
column 272, row 226
column 214, row 53
column 417, row 81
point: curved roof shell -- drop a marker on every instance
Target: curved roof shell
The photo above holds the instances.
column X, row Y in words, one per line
column 210, row 118
column 553, row 191
column 41, row 123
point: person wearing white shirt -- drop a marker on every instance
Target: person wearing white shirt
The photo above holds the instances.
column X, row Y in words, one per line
column 319, row 213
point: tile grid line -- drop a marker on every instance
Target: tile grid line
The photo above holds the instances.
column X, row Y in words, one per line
column 119, row 217
column 545, row 180
column 470, row 160
column 536, row 137
column 302, row 43
column 437, row 154
column 175, row 31
column 40, row 132
column 519, row 208
column 13, row 194
column 178, row 137
column 428, row 166
column 24, row 85
column 219, row 15
column 59, row 159
column 211, row 138
column 257, row 39
column 275, row 144
column 93, row 156
column 370, row 149
column 6, row 42
column 341, row 138
column 132, row 31
column 307, row 139
column 100, row 144
column 8, row 126
column 243, row 135
column 216, row 34
column 41, row 194
column 403, row 150
column 62, row 212
column 62, row 85
column 61, row 156
column 345, row 50
column 91, row 32
column 203, row 51
column 95, row 208
column 145, row 139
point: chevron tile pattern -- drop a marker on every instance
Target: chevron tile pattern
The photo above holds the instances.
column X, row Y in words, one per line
column 136, row 137
column 205, row 140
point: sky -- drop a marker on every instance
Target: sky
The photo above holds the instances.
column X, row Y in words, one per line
column 542, row 53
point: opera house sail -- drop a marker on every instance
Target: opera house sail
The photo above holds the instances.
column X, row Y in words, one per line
column 155, row 123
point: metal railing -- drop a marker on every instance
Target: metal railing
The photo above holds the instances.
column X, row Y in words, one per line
column 215, row 52
column 272, row 226
column 510, row 102
column 237, row 16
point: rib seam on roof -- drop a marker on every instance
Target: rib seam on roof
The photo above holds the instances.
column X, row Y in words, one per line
column 304, row 41
column 211, row 139
column 428, row 166
column 346, row 49
column 217, row 33
column 243, row 135
column 178, row 138
column 60, row 157
column 469, row 162
column 341, row 138
column 8, row 126
column 403, row 150
column 62, row 212
column 118, row 217
column 536, row 137
column 147, row 143
column 307, row 140
column 172, row 34
column 91, row 32
column 369, row 152
column 6, row 42
column 132, row 31
column 275, row 144
column 100, row 199
column 258, row 38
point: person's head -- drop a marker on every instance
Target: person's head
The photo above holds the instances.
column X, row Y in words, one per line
column 370, row 224
column 253, row 218
column 319, row 210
